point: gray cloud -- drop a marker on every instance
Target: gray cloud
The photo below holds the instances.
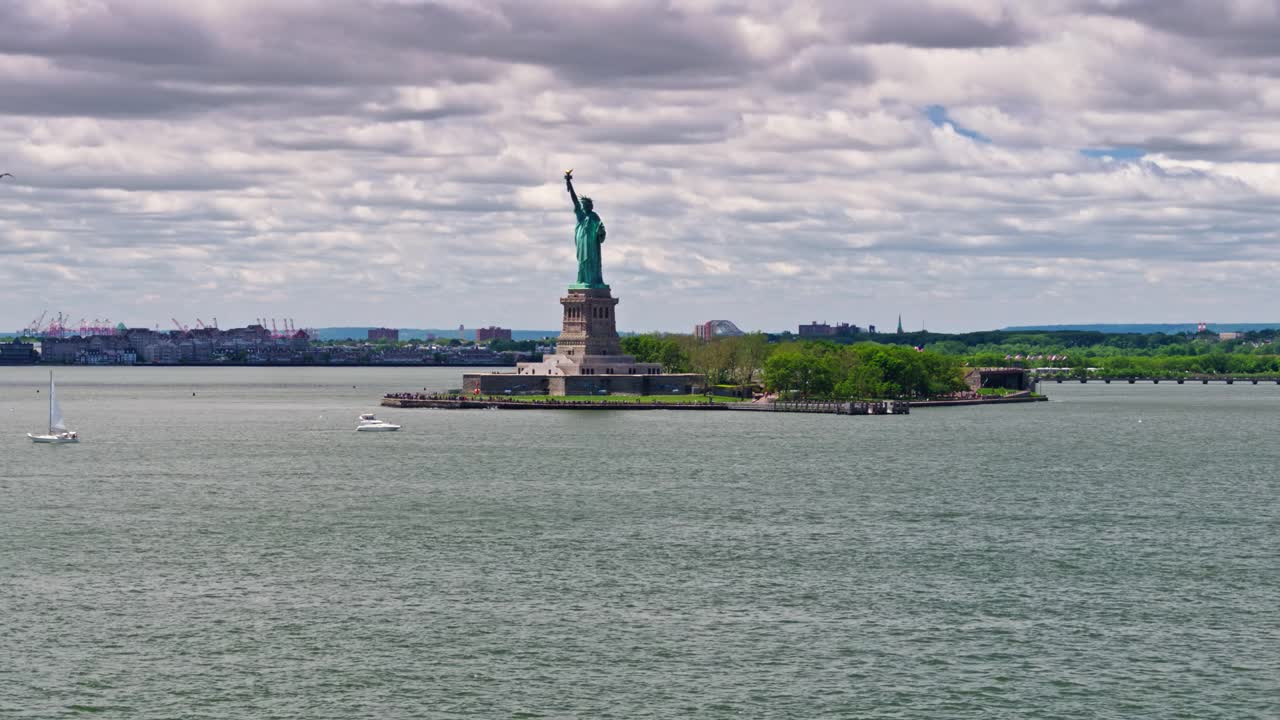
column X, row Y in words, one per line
column 923, row 25
column 107, row 96
column 815, row 67
column 1232, row 27
column 309, row 42
column 132, row 33
column 647, row 38
column 757, row 160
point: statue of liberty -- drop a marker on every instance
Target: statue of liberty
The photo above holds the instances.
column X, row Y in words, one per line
column 588, row 237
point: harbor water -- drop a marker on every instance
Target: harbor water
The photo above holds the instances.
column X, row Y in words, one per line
column 223, row 544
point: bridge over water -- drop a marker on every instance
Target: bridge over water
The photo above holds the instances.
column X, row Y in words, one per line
column 1176, row 379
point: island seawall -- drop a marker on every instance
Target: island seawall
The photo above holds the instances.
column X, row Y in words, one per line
column 462, row 402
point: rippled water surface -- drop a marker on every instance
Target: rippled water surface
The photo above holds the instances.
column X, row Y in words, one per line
column 224, row 545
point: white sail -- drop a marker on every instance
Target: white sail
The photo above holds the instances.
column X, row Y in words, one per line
column 56, row 423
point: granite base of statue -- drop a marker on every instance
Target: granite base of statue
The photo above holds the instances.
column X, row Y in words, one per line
column 588, row 359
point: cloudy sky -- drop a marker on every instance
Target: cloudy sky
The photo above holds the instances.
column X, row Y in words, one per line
column 968, row 164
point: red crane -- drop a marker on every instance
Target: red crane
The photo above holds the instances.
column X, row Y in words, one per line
column 57, row 327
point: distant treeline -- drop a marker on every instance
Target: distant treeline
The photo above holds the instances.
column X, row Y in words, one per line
column 816, row 369
column 929, row 364
column 1080, row 348
column 1220, row 363
column 1149, row 328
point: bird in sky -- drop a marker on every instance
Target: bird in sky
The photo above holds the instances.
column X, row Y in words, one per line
column 6, row 175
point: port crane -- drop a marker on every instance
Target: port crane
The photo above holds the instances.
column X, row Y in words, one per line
column 277, row 328
column 97, row 327
column 284, row 329
column 57, row 326
column 37, row 324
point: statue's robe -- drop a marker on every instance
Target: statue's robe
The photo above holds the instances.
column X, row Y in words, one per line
column 588, row 236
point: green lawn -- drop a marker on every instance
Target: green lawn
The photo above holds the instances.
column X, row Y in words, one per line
column 612, row 398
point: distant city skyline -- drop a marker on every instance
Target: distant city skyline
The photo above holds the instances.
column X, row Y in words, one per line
column 968, row 164
column 469, row 331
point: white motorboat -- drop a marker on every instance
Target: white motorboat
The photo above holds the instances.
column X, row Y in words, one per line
column 58, row 433
column 369, row 423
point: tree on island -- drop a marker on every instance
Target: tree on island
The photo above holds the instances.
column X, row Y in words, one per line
column 863, row 371
column 664, row 350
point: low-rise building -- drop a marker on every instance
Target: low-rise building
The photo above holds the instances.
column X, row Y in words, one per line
column 62, row 351
column 817, row 329
column 161, row 352
column 993, row 377
column 493, row 333
column 18, row 353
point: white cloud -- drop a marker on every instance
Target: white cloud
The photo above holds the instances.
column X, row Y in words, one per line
column 769, row 161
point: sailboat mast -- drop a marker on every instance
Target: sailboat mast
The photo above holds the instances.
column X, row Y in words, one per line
column 50, row 402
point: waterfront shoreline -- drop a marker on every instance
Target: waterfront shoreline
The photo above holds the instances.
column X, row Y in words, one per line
column 486, row 404
column 259, row 365
column 459, row 402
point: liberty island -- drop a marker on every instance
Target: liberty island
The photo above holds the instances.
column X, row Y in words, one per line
column 588, row 359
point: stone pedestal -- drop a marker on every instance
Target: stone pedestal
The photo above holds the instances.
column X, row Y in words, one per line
column 588, row 359
column 589, row 326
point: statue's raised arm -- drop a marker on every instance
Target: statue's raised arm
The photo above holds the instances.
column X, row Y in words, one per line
column 568, row 182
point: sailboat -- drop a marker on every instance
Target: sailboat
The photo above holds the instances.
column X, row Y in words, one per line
column 58, row 432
